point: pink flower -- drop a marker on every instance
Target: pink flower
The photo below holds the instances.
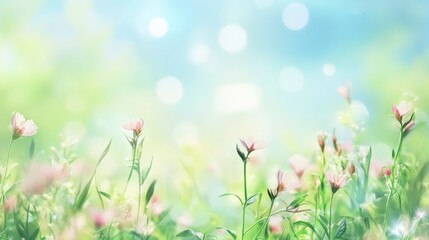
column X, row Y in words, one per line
column 22, row 127
column 337, row 180
column 10, row 203
column 298, row 164
column 39, row 178
column 387, row 171
column 275, row 224
column 250, row 144
column 321, row 139
column 344, row 91
column 135, row 126
column 101, row 218
column 156, row 206
column 401, row 110
column 281, row 186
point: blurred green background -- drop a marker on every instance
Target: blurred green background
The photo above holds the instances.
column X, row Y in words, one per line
column 203, row 74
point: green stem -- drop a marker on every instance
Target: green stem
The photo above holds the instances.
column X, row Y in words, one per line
column 392, row 177
column 330, row 217
column 266, row 220
column 140, row 189
column 6, row 168
column 315, row 212
column 245, row 199
column 131, row 170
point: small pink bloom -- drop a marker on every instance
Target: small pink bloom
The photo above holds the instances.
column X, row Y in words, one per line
column 337, row 180
column 298, row 164
column 101, row 218
column 352, row 169
column 135, row 126
column 409, row 127
column 275, row 224
column 401, row 110
column 22, row 127
column 387, row 171
column 39, row 178
column 344, row 91
column 10, row 203
column 321, row 139
column 250, row 144
column 156, row 206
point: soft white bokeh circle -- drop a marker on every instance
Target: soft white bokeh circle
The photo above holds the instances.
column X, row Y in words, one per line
column 199, row 53
column 158, row 27
column 185, row 133
column 291, row 79
column 263, row 3
column 232, row 38
column 295, row 16
column 236, row 97
column 169, row 90
column 329, row 69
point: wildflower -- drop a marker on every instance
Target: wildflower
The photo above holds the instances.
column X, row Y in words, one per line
column 250, row 144
column 274, row 192
column 101, row 218
column 352, row 169
column 135, row 126
column 337, row 180
column 344, row 91
column 298, row 164
column 410, row 125
column 387, row 171
column 401, row 110
column 275, row 224
column 22, row 127
column 145, row 226
column 10, row 203
column 156, row 206
column 39, row 177
column 321, row 138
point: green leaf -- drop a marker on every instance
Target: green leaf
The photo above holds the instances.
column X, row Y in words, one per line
column 82, row 197
column 240, row 153
column 232, row 194
column 308, row 225
column 393, row 154
column 323, row 218
column 190, row 233
column 297, row 202
column 105, row 194
column 252, row 199
column 324, row 223
column 150, row 191
column 34, row 234
column 106, row 150
column 232, row 233
column 32, row 147
column 146, row 173
column 341, row 229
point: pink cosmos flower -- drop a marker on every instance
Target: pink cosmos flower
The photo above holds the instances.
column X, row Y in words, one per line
column 135, row 126
column 22, row 127
column 298, row 164
column 281, row 186
column 250, row 144
column 337, row 180
column 275, row 224
column 344, row 91
column 401, row 110
column 10, row 203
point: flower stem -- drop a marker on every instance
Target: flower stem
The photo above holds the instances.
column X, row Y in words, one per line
column 392, row 177
column 330, row 217
column 245, row 198
column 315, row 212
column 131, row 170
column 266, row 220
column 7, row 163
